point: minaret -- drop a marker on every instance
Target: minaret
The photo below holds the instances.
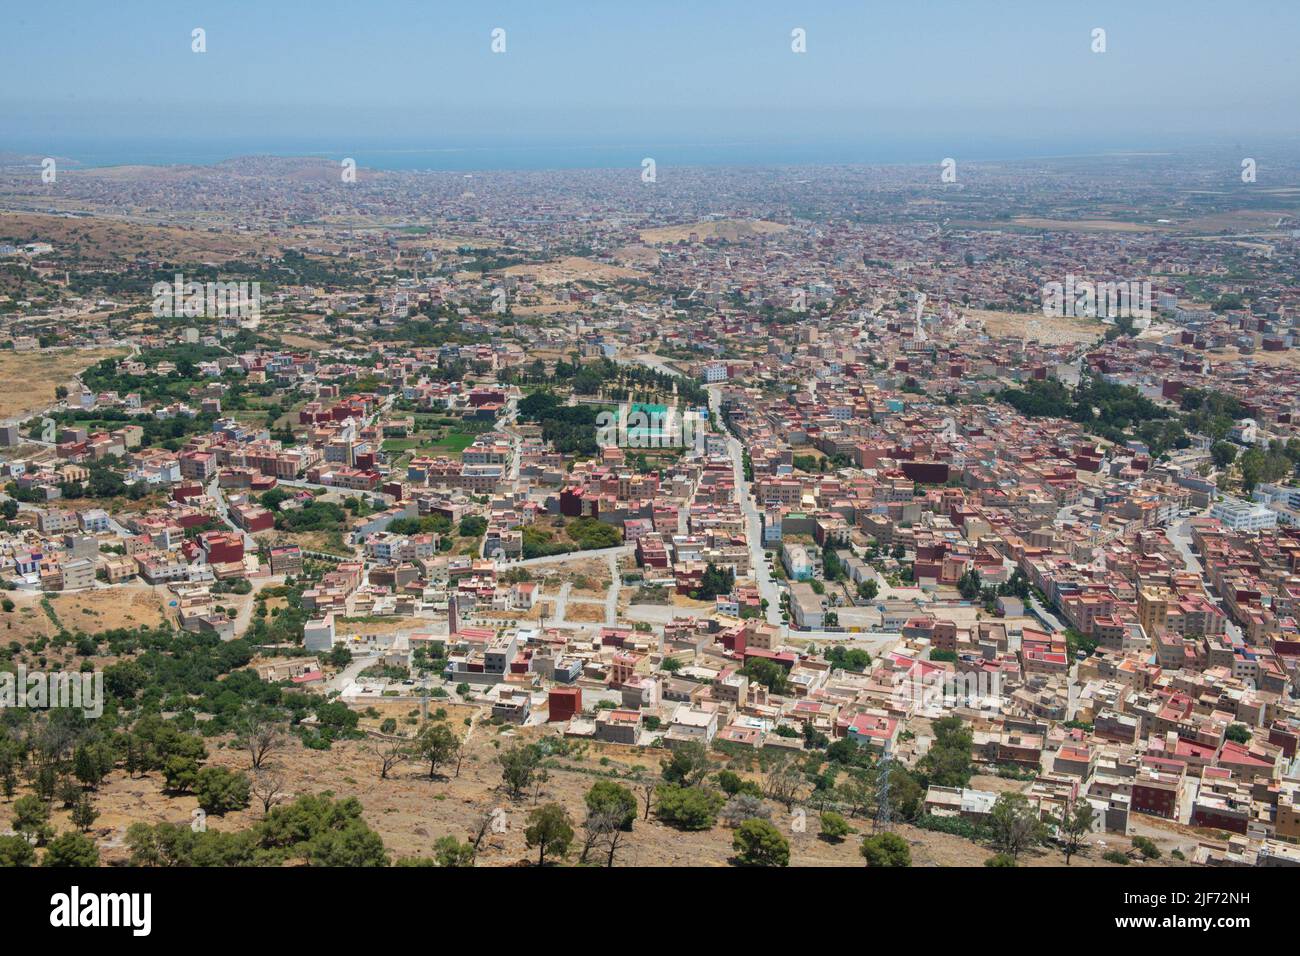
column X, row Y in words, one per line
column 453, row 617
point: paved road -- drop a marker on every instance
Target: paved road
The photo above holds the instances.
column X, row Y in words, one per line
column 343, row 678
column 767, row 587
column 214, row 492
column 1047, row 617
column 613, row 553
column 1180, row 536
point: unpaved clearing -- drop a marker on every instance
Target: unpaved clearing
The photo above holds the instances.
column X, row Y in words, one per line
column 28, row 379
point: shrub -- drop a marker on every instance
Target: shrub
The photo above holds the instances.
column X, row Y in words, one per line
column 687, row 808
column 71, row 849
column 605, row 796
column 834, row 826
column 1147, row 847
column 886, row 849
column 759, row 843
column 220, row 790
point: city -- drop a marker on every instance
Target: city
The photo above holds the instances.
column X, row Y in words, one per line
column 918, row 514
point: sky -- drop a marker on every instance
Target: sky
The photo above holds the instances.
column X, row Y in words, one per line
column 1003, row 77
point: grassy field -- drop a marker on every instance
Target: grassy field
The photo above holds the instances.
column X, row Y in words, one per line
column 452, row 443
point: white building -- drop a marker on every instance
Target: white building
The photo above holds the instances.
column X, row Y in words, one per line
column 1238, row 515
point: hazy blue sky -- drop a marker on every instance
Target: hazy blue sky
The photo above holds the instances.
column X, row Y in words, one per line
column 420, row 73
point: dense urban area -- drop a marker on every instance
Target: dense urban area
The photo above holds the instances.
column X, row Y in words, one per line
column 894, row 516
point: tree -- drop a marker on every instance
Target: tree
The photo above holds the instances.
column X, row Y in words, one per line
column 1238, row 733
column 868, row 589
column 449, row 851
column 647, row 787
column 32, row 819
column 969, row 585
column 16, row 851
column 784, row 783
column 834, row 827
column 688, row 764
column 948, row 761
column 390, row 754
column 518, row 767
column 268, row 787
column 1073, row 827
column 768, row 673
column 220, row 790
column 260, row 735
column 688, row 808
column 886, row 849
column 549, row 830
column 71, row 849
column 1224, row 453
column 608, row 797
column 91, row 763
column 351, row 845
column 759, row 843
column 84, row 813
column 742, row 807
column 1147, row 847
column 436, row 743
column 487, row 817
column 603, row 830
column 1014, row 826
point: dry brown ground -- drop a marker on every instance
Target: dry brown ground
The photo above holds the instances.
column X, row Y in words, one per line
column 303, row 342
column 572, row 269
column 28, row 379
column 411, row 811
column 1050, row 331
column 1084, row 225
column 88, row 611
column 635, row 255
column 584, row 613
column 26, row 622
column 100, row 239
column 109, row 608
column 1290, row 358
column 595, row 571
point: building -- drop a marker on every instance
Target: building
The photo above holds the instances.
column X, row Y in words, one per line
column 1238, row 515
column 318, row 633
column 564, row 703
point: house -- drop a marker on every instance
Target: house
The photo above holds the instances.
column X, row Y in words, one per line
column 618, row 726
column 318, row 633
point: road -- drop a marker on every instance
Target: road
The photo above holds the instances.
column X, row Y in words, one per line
column 214, row 492
column 1180, row 537
column 767, row 587
column 615, row 585
column 613, row 553
column 343, row 678
column 1047, row 617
